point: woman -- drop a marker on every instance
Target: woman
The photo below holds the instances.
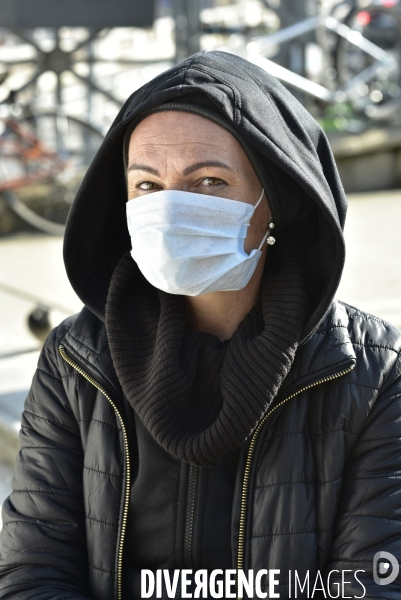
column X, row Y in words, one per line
column 212, row 406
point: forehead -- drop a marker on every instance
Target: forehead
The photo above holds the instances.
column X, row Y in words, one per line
column 164, row 131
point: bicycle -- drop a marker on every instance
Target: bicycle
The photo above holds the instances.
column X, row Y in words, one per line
column 364, row 65
column 380, row 23
column 43, row 158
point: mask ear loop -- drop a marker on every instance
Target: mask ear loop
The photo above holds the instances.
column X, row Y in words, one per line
column 259, row 201
column 267, row 237
column 264, row 239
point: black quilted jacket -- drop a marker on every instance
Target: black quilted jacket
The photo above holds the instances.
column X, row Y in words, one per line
column 321, row 475
column 318, row 484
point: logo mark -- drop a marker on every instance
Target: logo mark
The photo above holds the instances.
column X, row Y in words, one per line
column 383, row 563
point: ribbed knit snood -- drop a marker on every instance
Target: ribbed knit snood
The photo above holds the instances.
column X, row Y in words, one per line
column 198, row 397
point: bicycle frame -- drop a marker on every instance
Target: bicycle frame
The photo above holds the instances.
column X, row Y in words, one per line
column 26, row 148
column 344, row 92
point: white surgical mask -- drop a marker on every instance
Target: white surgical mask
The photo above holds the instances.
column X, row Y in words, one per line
column 192, row 244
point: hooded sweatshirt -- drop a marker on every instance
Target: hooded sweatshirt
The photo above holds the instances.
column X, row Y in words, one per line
column 292, row 148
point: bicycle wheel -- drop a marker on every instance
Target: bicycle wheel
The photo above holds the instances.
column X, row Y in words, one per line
column 378, row 96
column 45, row 203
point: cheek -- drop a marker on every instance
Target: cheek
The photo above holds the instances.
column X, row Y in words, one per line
column 251, row 240
column 132, row 191
column 257, row 230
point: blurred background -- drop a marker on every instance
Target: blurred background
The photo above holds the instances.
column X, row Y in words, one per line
column 66, row 68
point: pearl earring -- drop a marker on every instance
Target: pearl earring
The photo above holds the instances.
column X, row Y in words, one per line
column 270, row 239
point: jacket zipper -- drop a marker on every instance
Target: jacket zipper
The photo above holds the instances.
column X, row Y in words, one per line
column 127, row 465
column 248, row 464
column 189, row 526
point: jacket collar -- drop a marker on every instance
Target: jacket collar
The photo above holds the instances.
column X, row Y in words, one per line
column 327, row 352
column 86, row 343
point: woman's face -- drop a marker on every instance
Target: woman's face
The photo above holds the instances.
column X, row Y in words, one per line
column 181, row 151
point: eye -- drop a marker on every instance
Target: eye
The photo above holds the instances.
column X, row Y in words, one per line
column 211, row 181
column 147, row 186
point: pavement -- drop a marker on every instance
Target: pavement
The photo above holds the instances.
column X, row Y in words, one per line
column 6, row 473
column 32, row 273
column 372, row 275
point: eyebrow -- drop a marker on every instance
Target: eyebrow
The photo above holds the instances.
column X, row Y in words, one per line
column 138, row 167
column 186, row 171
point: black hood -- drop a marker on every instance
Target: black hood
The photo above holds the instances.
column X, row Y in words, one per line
column 289, row 142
